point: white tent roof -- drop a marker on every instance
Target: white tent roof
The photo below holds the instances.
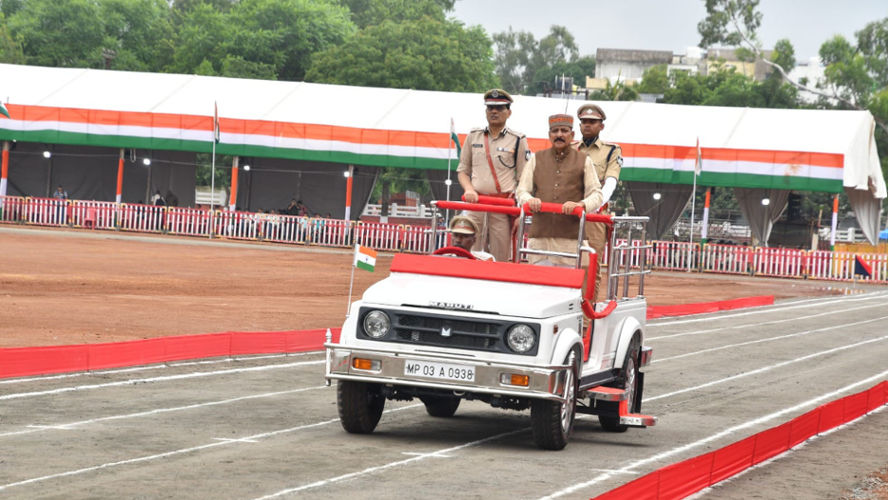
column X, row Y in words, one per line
column 740, row 134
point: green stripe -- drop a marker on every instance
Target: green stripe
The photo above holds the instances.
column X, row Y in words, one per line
column 627, row 174
column 364, row 266
column 720, row 179
column 116, row 141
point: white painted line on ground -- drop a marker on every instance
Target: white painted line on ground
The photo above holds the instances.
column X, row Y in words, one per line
column 370, row 470
column 721, row 434
column 157, row 411
column 182, row 376
column 767, row 368
column 768, row 339
column 747, row 325
column 172, row 364
column 769, row 309
column 231, row 440
column 182, row 451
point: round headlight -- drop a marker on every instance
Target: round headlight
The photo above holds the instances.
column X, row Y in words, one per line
column 521, row 338
column 377, row 324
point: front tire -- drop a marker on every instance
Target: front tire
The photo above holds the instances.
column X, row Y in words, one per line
column 629, row 381
column 360, row 406
column 552, row 421
column 440, row 406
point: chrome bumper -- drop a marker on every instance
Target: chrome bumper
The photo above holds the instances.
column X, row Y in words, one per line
column 545, row 382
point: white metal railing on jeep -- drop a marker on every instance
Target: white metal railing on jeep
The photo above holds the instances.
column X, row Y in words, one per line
column 626, row 255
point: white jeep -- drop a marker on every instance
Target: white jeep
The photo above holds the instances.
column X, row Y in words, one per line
column 443, row 329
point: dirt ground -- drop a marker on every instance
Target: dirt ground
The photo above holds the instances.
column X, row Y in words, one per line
column 72, row 287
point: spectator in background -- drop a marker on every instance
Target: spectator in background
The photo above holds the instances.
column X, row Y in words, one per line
column 60, row 193
column 158, row 199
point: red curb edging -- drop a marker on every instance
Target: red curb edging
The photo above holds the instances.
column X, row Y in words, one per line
column 27, row 361
column 694, row 474
column 707, row 307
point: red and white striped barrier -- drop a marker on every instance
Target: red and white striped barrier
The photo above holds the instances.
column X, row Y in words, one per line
column 662, row 255
column 12, row 208
column 671, row 255
column 728, row 259
column 378, row 235
column 141, row 218
column 93, row 214
column 779, row 262
column 46, row 211
column 188, row 221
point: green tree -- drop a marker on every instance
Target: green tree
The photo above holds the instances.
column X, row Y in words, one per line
column 138, row 34
column 527, row 66
column 425, row 54
column 10, row 50
column 374, row 12
column 284, row 34
column 59, row 33
column 655, row 80
column 852, row 72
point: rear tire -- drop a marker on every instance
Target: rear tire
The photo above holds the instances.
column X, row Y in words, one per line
column 629, row 382
column 440, row 406
column 552, row 421
column 360, row 406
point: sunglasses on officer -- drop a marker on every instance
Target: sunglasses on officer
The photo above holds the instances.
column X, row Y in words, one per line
column 497, row 107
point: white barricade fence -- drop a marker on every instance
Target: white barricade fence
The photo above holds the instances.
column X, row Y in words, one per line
column 671, row 255
column 93, row 214
column 823, row 264
column 12, row 208
column 730, row 259
column 188, row 221
column 330, row 232
column 780, row 262
column 378, row 235
column 415, row 239
column 46, row 211
column 237, row 225
column 142, row 218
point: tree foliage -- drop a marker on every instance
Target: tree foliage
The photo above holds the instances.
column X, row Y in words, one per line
column 529, row 66
column 425, row 53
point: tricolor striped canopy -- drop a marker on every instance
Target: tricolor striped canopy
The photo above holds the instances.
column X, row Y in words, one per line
column 803, row 150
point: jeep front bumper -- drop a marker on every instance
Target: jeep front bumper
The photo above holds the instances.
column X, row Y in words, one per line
column 388, row 367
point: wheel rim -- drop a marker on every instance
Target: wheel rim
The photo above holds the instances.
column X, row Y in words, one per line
column 630, row 382
column 567, row 407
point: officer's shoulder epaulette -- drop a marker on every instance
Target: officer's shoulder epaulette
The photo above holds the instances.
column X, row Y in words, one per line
column 515, row 133
column 477, row 130
column 613, row 144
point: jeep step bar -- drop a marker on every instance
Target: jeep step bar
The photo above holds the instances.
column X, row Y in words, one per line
column 611, row 394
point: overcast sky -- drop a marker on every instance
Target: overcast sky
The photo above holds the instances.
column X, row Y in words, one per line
column 669, row 24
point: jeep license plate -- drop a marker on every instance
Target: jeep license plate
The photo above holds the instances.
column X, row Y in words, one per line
column 443, row 371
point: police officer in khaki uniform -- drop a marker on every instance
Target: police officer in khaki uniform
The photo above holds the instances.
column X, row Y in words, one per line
column 562, row 175
column 491, row 163
column 608, row 160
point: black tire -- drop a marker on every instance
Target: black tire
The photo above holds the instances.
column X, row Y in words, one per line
column 628, row 381
column 552, row 421
column 440, row 406
column 360, row 406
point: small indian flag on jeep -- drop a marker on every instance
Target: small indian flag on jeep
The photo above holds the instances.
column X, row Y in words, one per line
column 365, row 258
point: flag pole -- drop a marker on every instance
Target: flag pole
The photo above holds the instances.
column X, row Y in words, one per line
column 213, row 166
column 351, row 281
column 698, row 166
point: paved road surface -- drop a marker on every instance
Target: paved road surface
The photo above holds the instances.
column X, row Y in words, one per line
column 266, row 427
